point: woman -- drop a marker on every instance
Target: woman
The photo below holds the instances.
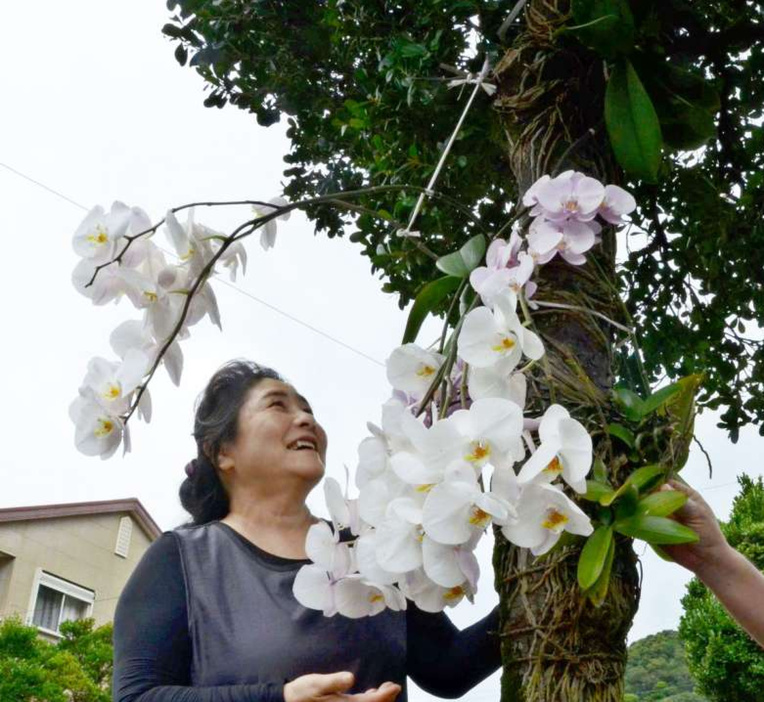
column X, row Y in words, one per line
column 209, row 614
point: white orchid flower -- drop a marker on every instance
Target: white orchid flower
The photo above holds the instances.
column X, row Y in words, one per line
column 570, row 238
column 433, row 448
column 372, row 460
column 98, row 432
column 97, row 235
column 543, row 513
column 565, row 450
column 571, row 195
column 411, row 369
column 234, row 256
column 133, row 334
column 496, row 381
column 269, row 229
column 490, row 427
column 356, row 597
column 192, row 242
column 530, row 199
column 431, row 597
column 399, row 536
column 314, row 588
column 448, row 565
column 489, row 337
column 109, row 283
column 343, row 511
column 365, row 549
column 375, row 495
column 112, row 383
column 456, row 508
column 616, row 203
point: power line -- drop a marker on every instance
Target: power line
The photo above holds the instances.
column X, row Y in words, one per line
column 288, row 316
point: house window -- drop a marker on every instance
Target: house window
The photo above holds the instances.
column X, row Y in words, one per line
column 123, row 537
column 59, row 601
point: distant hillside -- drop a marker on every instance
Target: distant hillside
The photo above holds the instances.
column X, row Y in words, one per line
column 657, row 670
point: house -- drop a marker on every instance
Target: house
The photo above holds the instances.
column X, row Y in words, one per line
column 69, row 561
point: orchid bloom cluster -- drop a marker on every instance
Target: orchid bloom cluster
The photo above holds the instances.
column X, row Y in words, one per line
column 430, row 483
column 132, row 265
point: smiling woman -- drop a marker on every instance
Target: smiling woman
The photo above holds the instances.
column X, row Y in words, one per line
column 209, row 615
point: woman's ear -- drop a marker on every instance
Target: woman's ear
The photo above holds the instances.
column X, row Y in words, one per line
column 225, row 460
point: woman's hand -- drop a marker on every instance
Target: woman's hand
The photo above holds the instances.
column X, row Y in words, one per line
column 696, row 514
column 331, row 688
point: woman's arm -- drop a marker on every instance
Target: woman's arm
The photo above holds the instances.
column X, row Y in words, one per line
column 445, row 661
column 152, row 647
column 734, row 580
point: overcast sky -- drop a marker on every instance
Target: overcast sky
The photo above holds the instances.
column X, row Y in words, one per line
column 101, row 111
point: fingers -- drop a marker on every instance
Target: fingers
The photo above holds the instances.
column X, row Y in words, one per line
column 387, row 692
column 334, row 682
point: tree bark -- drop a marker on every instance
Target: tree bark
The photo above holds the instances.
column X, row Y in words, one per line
column 557, row 646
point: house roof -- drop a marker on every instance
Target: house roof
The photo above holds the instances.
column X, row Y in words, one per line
column 76, row 509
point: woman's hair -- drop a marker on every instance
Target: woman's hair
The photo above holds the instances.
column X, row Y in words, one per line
column 202, row 493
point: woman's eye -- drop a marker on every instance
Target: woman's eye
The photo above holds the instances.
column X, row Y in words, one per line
column 277, row 403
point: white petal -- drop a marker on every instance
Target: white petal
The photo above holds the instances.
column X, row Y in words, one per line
column 446, row 513
column 312, row 588
column 441, row 564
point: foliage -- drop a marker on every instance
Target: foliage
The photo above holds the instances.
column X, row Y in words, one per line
column 363, row 87
column 726, row 662
column 657, row 670
column 77, row 669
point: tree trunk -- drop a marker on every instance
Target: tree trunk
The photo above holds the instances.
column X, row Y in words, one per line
column 556, row 646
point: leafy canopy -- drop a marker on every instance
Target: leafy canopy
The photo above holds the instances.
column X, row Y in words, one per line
column 363, row 86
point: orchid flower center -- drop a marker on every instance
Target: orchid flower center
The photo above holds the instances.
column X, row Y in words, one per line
column 479, row 451
column 189, row 254
column 554, row 467
column 150, row 296
column 113, row 391
column 571, row 205
column 507, row 343
column 425, row 371
column 555, row 520
column 453, row 593
column 426, row 487
column 104, row 428
column 99, row 236
column 479, row 518
column 375, row 597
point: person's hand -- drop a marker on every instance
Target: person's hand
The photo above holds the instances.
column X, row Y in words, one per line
column 696, row 514
column 331, row 688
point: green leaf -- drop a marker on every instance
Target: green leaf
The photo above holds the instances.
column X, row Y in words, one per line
column 645, row 476
column 607, row 26
column 462, row 262
column 473, row 251
column 655, row 530
column 598, row 592
column 600, row 471
column 593, row 556
column 428, row 298
column 659, row 397
column 626, row 506
column 661, row 504
column 622, row 433
column 632, row 123
column 596, row 490
column 630, row 403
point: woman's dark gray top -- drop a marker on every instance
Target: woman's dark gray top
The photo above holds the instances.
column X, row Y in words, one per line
column 207, row 616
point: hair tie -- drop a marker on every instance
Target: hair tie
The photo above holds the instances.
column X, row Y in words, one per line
column 191, row 468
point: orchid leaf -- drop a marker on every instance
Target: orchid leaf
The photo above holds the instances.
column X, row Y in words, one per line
column 655, row 530
column 593, row 556
column 607, row 26
column 429, row 297
column 622, row 433
column 598, row 591
column 661, row 504
column 462, row 262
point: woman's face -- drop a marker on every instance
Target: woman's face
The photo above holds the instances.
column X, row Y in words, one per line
column 278, row 437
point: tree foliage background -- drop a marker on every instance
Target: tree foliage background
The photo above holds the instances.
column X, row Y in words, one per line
column 76, row 669
column 363, row 86
column 727, row 664
column 657, row 670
